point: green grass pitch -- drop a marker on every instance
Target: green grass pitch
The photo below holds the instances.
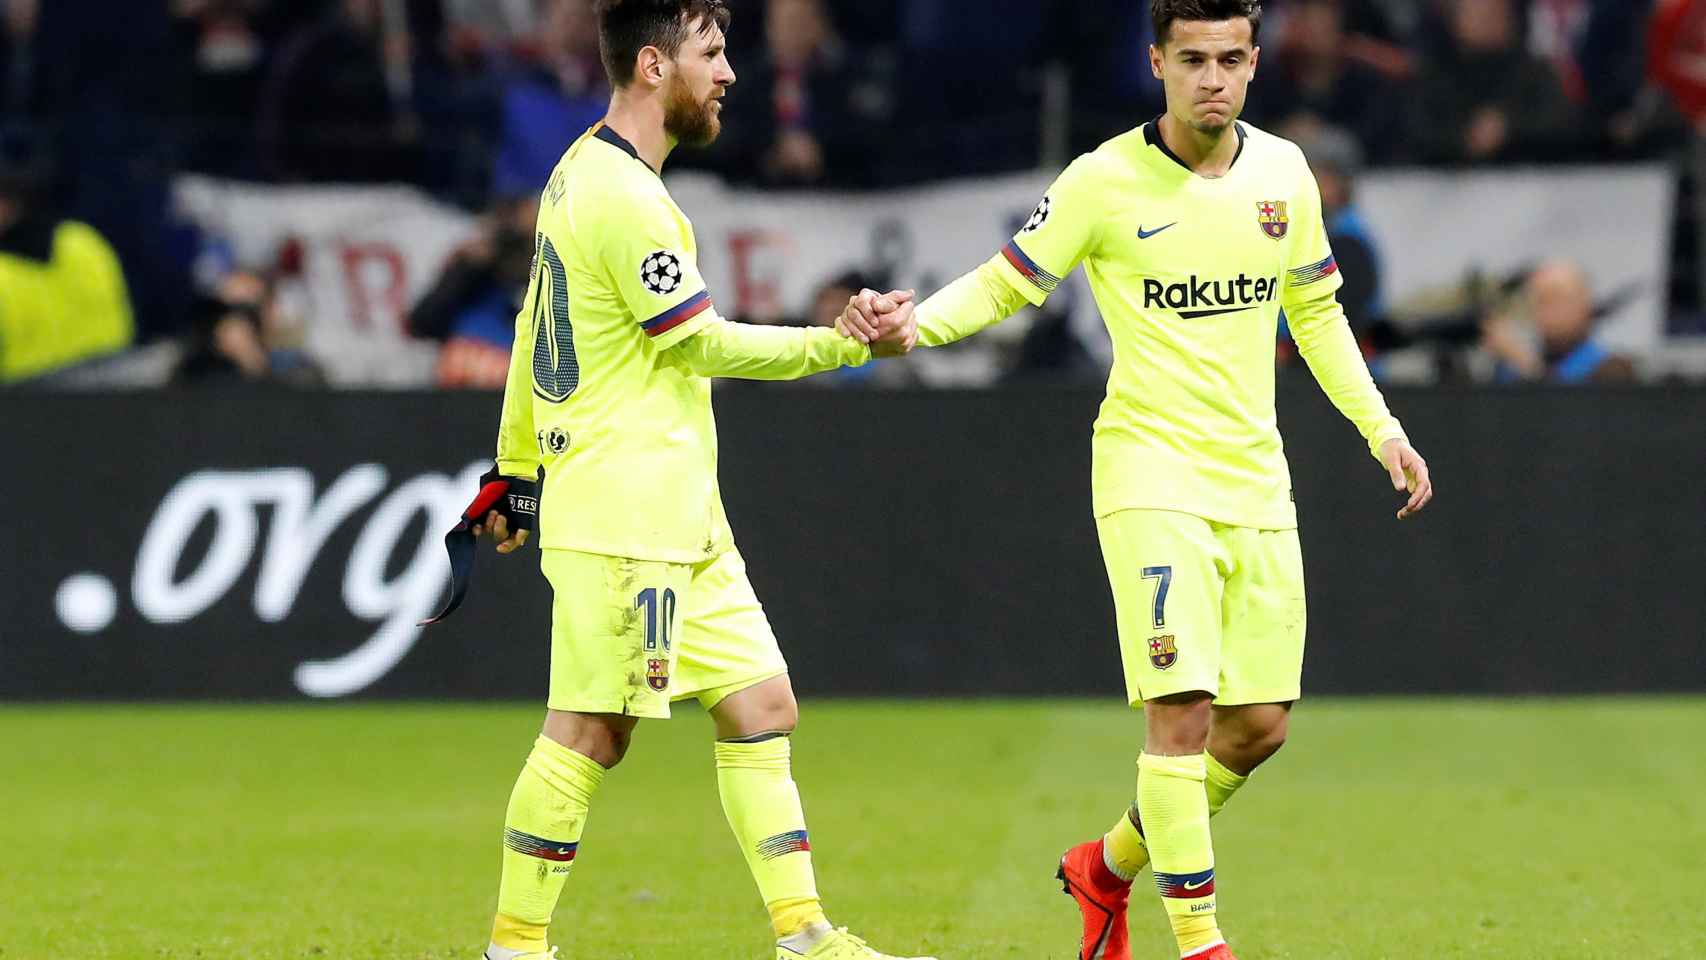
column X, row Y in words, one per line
column 1552, row 830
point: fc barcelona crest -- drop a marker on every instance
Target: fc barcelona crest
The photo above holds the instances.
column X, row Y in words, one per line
column 1163, row 652
column 657, row 674
column 1272, row 216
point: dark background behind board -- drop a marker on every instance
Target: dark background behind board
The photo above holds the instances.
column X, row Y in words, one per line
column 1565, row 552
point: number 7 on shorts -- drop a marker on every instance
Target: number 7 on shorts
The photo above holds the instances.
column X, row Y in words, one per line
column 1163, row 577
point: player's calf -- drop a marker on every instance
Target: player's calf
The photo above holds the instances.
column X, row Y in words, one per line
column 1246, row 736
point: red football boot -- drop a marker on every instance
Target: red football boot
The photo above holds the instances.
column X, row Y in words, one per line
column 1102, row 899
column 1219, row 951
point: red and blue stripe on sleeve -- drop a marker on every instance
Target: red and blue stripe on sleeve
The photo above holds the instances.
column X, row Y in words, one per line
column 1315, row 272
column 677, row 315
column 1044, row 281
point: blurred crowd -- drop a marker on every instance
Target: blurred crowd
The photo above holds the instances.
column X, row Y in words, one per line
column 105, row 101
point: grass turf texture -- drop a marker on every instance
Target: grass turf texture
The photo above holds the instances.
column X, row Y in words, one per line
column 1387, row 829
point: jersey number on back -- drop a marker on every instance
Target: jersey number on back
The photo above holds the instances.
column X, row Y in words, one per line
column 556, row 372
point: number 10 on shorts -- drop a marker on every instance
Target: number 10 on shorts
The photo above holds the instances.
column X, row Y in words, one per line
column 1163, row 577
column 657, row 627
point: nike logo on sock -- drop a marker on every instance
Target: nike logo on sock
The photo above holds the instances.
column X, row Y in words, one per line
column 1199, row 885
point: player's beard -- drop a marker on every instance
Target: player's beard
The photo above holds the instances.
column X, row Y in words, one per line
column 1212, row 128
column 688, row 119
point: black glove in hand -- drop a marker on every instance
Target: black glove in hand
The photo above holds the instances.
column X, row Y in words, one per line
column 516, row 499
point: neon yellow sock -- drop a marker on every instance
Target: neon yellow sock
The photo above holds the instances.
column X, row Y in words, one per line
column 542, row 831
column 763, row 807
column 1123, row 849
column 1174, row 805
column 1126, row 853
column 1219, row 782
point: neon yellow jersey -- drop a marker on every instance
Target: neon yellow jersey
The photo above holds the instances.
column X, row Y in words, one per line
column 624, row 431
column 1190, row 275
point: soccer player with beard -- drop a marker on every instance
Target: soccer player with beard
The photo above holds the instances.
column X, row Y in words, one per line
column 1195, row 231
column 609, row 394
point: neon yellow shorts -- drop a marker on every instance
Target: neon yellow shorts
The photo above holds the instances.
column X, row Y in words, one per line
column 630, row 636
column 1205, row 606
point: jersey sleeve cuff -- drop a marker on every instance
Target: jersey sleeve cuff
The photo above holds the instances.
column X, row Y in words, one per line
column 1390, row 430
column 854, row 353
column 518, row 468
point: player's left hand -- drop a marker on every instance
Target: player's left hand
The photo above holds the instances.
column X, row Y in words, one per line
column 1409, row 474
column 512, row 513
column 499, row 526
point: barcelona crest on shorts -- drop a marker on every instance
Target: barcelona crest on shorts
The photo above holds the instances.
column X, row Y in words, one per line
column 1163, row 652
column 1271, row 214
column 657, row 673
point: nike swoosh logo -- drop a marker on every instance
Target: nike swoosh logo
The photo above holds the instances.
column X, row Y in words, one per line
column 1198, row 886
column 1143, row 234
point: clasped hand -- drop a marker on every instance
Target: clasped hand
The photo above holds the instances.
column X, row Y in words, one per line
column 885, row 321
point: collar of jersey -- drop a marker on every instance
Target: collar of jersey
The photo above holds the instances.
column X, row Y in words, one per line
column 620, row 142
column 1152, row 136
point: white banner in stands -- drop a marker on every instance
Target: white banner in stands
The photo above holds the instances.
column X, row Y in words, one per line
column 370, row 253
column 765, row 253
column 366, row 254
column 1435, row 228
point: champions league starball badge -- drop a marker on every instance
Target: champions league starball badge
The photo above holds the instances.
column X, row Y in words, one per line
column 661, row 273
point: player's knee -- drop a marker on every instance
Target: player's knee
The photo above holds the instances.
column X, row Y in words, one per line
column 603, row 740
column 768, row 707
column 1177, row 725
column 779, row 713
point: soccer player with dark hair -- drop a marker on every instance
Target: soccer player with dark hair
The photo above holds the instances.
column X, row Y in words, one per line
column 1195, row 231
column 609, row 394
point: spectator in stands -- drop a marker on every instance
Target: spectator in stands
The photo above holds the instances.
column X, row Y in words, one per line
column 22, row 93
column 223, row 52
column 337, row 106
column 235, row 339
column 551, row 100
column 491, row 24
column 806, row 110
column 1104, row 47
column 1337, row 160
column 827, row 304
column 473, row 306
column 63, row 298
column 1050, row 353
column 1312, row 74
column 1487, row 98
column 1595, row 47
column 1677, row 55
column 969, row 82
column 1558, row 303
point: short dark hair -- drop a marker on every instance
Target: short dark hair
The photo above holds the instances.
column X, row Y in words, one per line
column 625, row 27
column 1164, row 12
